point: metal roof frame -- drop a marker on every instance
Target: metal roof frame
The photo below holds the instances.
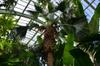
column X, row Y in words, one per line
column 23, row 14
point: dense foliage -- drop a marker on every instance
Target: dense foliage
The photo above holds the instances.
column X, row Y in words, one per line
column 13, row 53
column 67, row 39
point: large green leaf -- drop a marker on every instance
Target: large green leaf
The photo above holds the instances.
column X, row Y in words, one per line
column 94, row 23
column 79, row 9
column 81, row 58
column 67, row 58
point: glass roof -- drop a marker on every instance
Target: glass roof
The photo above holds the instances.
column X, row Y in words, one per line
column 89, row 7
column 23, row 16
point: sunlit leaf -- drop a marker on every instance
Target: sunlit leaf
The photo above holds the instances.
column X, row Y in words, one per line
column 39, row 39
column 67, row 58
column 1, row 46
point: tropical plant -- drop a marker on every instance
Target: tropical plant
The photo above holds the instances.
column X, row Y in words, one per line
column 72, row 23
column 7, row 22
column 90, row 42
column 63, row 25
column 13, row 53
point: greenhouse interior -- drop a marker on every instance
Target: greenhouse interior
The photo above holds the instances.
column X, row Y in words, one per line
column 49, row 32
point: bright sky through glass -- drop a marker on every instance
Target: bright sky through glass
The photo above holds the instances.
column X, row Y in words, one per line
column 88, row 10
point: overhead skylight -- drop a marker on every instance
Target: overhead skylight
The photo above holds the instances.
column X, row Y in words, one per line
column 23, row 17
column 89, row 7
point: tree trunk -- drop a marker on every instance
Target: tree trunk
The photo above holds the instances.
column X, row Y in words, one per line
column 48, row 44
column 50, row 59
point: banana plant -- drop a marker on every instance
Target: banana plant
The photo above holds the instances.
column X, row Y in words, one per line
column 88, row 43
